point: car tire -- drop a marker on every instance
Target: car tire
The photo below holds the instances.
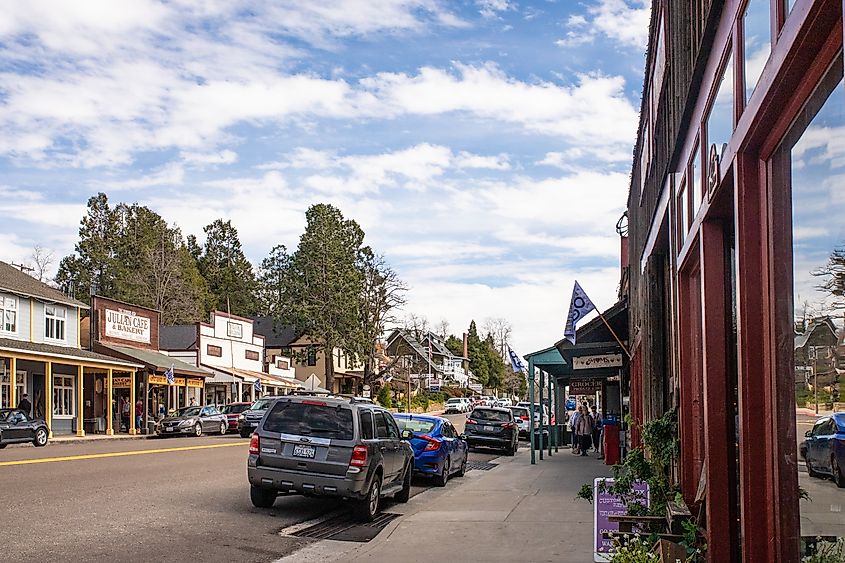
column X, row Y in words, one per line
column 40, row 439
column 443, row 478
column 463, row 469
column 405, row 494
column 838, row 477
column 262, row 498
column 198, row 430
column 810, row 471
column 365, row 509
column 223, row 428
column 3, row 446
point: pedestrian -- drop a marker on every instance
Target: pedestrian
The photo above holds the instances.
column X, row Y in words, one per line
column 139, row 414
column 584, row 430
column 25, row 405
column 193, row 402
column 598, row 423
column 125, row 409
column 573, row 422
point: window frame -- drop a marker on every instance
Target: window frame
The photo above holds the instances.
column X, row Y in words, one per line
column 217, row 350
column 54, row 323
column 64, row 395
column 4, row 309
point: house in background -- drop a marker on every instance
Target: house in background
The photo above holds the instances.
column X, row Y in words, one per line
column 230, row 348
column 816, row 344
column 426, row 357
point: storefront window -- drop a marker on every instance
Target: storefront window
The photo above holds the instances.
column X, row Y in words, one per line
column 6, row 388
column 8, row 314
column 758, row 41
column 720, row 120
column 63, row 396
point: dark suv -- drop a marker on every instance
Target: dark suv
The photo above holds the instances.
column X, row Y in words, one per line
column 248, row 420
column 330, row 447
column 492, row 427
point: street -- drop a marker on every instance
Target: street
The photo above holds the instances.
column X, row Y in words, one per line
column 148, row 500
column 824, row 513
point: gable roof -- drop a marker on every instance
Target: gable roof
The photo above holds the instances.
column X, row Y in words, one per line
column 14, row 281
column 177, row 337
column 275, row 335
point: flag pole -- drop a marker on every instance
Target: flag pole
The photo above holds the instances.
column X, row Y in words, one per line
column 618, row 341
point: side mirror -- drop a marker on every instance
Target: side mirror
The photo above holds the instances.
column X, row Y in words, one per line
column 808, row 434
column 407, row 434
column 463, row 437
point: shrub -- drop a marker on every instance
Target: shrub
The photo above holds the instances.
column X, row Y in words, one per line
column 384, row 396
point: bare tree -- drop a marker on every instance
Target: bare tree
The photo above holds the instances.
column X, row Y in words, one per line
column 441, row 329
column 500, row 330
column 42, row 259
column 416, row 325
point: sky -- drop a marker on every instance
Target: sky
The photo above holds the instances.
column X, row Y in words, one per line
column 484, row 146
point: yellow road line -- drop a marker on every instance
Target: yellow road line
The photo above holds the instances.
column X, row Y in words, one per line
column 117, row 454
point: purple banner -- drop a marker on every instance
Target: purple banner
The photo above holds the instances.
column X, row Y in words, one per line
column 605, row 505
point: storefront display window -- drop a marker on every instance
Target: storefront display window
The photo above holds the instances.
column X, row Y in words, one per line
column 8, row 314
column 63, row 397
column 6, row 387
column 758, row 42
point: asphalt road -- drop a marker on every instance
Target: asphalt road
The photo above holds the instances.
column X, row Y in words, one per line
column 180, row 499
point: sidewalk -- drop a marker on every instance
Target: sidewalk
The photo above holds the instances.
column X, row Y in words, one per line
column 64, row 439
column 514, row 512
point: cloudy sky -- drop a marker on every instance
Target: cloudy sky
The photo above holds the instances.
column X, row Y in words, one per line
column 483, row 145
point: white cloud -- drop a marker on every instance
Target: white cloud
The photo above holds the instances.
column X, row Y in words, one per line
column 492, row 8
column 222, row 157
column 169, row 175
column 623, row 21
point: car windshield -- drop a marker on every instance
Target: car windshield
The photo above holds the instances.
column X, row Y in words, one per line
column 416, row 426
column 489, row 414
column 188, row 411
column 308, row 419
column 234, row 409
column 454, row 401
column 261, row 405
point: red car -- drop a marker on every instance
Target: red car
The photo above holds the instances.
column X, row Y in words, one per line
column 232, row 410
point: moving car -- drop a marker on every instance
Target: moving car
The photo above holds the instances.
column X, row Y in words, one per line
column 329, row 447
column 457, row 405
column 439, row 451
column 193, row 421
column 249, row 419
column 521, row 416
column 17, row 427
column 232, row 411
column 823, row 449
column 504, row 402
column 492, row 427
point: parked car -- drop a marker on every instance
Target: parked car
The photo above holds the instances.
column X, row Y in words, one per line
column 232, row 411
column 329, row 447
column 193, row 421
column 521, row 416
column 823, row 449
column 249, row 419
column 492, row 427
column 457, row 405
column 527, row 405
column 17, row 427
column 504, row 402
column 439, row 451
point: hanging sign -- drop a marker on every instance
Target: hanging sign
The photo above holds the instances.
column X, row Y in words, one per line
column 127, row 325
column 157, row 380
column 196, row 383
column 597, row 362
column 121, row 382
column 584, row 386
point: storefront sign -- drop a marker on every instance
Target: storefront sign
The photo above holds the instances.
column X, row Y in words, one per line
column 584, row 386
column 196, row 383
column 157, row 380
column 126, row 325
column 122, row 382
column 604, row 506
column 597, row 362
column 179, row 381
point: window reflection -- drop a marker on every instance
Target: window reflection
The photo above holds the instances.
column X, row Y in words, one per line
column 720, row 122
column 756, row 22
column 695, row 179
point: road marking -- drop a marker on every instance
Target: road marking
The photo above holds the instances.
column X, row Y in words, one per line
column 117, row 454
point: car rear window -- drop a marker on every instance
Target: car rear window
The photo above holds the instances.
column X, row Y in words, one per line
column 454, row 401
column 306, row 419
column 234, row 409
column 487, row 414
column 519, row 411
column 416, row 426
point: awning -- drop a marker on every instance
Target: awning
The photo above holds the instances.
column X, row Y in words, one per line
column 62, row 354
column 250, row 376
column 156, row 361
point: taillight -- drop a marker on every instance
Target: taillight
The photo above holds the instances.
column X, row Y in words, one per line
column 523, row 417
column 314, row 403
column 254, row 444
column 507, row 425
column 471, row 421
column 359, row 456
column 433, row 444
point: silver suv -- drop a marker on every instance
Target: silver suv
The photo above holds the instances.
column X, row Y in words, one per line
column 329, row 447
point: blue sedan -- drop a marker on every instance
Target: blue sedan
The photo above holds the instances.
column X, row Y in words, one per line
column 824, row 448
column 439, row 451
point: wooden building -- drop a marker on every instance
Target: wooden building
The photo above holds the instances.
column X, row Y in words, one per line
column 730, row 87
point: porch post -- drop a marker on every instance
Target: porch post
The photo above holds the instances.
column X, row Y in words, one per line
column 531, row 405
column 109, row 409
column 13, row 391
column 48, row 396
column 132, row 429
column 80, row 402
column 551, row 405
column 542, row 426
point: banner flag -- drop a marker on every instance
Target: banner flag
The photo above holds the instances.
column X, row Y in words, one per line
column 171, row 379
column 516, row 362
column 579, row 307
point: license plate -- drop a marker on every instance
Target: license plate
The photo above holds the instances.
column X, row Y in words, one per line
column 304, row 451
column 169, row 429
column 488, row 429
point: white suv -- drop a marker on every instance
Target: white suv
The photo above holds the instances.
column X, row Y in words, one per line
column 457, row 405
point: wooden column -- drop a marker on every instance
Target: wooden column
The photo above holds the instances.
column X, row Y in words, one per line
column 531, row 409
column 542, row 384
column 13, row 379
column 722, row 535
column 109, row 406
column 132, row 429
column 80, row 402
column 48, row 396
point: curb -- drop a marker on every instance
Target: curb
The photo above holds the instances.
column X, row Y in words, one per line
column 83, row 440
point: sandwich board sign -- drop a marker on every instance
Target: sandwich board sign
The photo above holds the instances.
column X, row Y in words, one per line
column 604, row 506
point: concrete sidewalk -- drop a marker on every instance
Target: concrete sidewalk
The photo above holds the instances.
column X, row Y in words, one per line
column 514, row 512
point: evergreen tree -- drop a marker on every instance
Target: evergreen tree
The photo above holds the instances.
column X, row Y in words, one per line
column 230, row 278
column 271, row 281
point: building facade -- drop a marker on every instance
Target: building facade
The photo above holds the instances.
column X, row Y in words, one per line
column 741, row 117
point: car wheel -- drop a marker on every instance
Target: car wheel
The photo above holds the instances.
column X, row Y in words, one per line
column 198, row 430
column 223, row 428
column 838, row 477
column 2, row 446
column 262, row 498
column 810, row 471
column 443, row 478
column 405, row 494
column 463, row 469
column 40, row 438
column 367, row 508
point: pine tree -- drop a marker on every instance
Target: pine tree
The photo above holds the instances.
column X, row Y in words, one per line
column 230, row 278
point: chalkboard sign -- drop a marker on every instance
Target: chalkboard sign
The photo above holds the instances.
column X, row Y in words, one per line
column 604, row 506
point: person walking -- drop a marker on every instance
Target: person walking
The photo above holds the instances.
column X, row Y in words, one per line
column 139, row 415
column 598, row 423
column 584, row 430
column 25, row 405
column 573, row 424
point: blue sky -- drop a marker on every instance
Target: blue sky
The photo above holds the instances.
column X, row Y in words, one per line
column 484, row 146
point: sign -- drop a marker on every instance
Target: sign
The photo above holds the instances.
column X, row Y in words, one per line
column 123, row 382
column 179, row 381
column 604, row 506
column 597, row 362
column 585, row 386
column 234, row 330
column 477, row 387
column 157, row 380
column 196, row 383
column 126, row 325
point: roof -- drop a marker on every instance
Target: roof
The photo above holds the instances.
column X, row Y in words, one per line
column 251, row 376
column 177, row 337
column 156, row 360
column 15, row 281
column 62, row 352
column 275, row 334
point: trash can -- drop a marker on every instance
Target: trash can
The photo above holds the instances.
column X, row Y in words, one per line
column 610, row 433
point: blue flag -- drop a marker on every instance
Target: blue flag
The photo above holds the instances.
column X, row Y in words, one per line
column 516, row 362
column 257, row 385
column 579, row 307
column 171, row 379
